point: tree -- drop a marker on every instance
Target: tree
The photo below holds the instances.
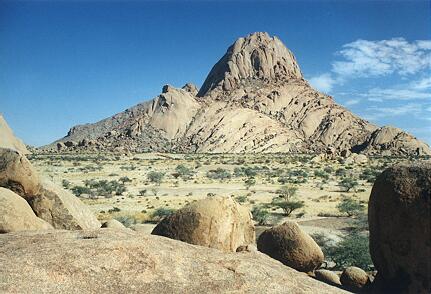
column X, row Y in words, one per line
column 287, row 192
column 288, row 206
column 350, row 206
column 348, row 183
column 155, row 177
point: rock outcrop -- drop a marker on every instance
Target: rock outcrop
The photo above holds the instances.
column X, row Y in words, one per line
column 399, row 217
column 254, row 99
column 62, row 209
column 292, row 246
column 9, row 140
column 123, row 261
column 255, row 57
column 216, row 222
column 16, row 214
column 49, row 202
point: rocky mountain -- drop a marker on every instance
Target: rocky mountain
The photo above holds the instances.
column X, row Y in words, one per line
column 8, row 139
column 255, row 99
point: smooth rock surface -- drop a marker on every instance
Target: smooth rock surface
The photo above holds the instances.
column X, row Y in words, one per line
column 8, row 139
column 16, row 214
column 123, row 261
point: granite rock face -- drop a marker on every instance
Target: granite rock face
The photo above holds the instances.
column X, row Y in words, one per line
column 254, row 99
column 9, row 140
column 17, row 215
column 124, row 261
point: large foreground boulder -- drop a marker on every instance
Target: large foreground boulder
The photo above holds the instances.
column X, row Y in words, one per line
column 62, row 209
column 17, row 173
column 124, row 261
column 48, row 201
column 216, row 222
column 400, row 228
column 16, row 214
column 292, row 246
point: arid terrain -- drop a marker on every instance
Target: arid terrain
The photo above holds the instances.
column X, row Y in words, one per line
column 144, row 200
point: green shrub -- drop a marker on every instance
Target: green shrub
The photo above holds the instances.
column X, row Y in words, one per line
column 241, row 199
column 162, row 212
column 348, row 183
column 352, row 250
column 249, row 182
column 350, row 206
column 155, row 177
column 260, row 215
column 127, row 221
column 184, row 172
column 219, row 174
column 80, row 190
column 66, row 184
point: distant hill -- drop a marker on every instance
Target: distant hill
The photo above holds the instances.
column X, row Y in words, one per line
column 255, row 99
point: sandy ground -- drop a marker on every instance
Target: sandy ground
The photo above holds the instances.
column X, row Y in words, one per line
column 320, row 196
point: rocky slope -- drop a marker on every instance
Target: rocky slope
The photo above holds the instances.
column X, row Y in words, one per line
column 8, row 139
column 123, row 261
column 254, row 99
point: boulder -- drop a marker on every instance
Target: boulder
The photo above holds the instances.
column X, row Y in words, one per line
column 327, row 276
column 62, row 209
column 113, row 224
column 123, row 261
column 399, row 220
column 16, row 214
column 48, row 201
column 17, row 173
column 216, row 222
column 354, row 278
column 292, row 246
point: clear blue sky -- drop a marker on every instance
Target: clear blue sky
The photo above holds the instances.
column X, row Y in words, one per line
column 67, row 63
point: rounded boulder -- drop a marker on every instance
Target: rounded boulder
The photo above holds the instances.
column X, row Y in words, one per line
column 292, row 246
column 216, row 222
column 399, row 220
column 327, row 276
column 354, row 278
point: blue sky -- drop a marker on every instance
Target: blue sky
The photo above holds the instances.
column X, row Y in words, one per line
column 67, row 63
